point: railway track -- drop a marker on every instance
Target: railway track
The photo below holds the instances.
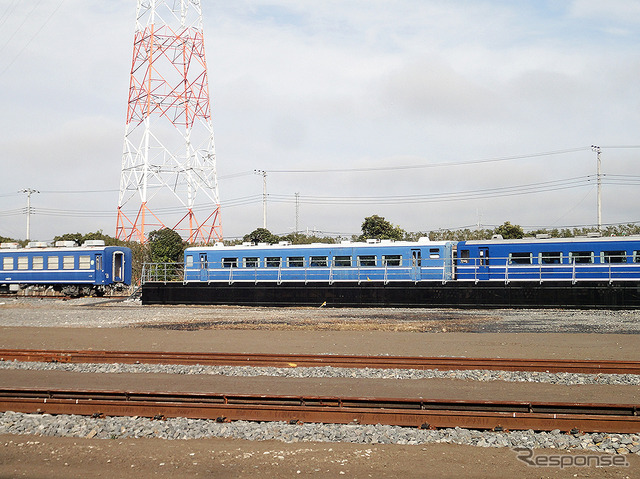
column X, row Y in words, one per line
column 311, row 360
column 433, row 414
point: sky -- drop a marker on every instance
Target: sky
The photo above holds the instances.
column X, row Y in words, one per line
column 436, row 114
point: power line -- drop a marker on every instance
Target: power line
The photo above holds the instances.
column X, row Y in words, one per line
column 32, row 37
column 14, row 212
column 8, row 11
column 436, row 165
column 589, row 225
column 72, row 192
column 506, row 191
column 515, row 190
column 20, row 26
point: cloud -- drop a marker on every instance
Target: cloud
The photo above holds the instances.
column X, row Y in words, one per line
column 615, row 11
column 430, row 87
column 339, row 85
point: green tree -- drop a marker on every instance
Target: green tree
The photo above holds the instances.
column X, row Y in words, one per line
column 165, row 246
column 301, row 238
column 261, row 235
column 509, row 231
column 377, row 227
column 99, row 235
column 75, row 237
column 5, row 239
column 79, row 238
column 460, row 235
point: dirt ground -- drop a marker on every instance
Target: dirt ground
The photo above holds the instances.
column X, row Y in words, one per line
column 61, row 458
column 425, row 332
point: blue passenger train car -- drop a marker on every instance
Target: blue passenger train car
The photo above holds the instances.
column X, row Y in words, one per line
column 383, row 261
column 558, row 259
column 585, row 272
column 92, row 268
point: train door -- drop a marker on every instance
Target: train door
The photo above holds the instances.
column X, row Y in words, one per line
column 99, row 269
column 483, row 263
column 416, row 264
column 118, row 267
column 204, row 267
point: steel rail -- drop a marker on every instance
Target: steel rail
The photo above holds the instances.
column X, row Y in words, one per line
column 423, row 413
column 320, row 360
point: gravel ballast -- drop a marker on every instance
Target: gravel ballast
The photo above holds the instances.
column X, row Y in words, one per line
column 332, row 372
column 183, row 429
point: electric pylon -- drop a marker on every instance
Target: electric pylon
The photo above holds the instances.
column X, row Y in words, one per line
column 168, row 162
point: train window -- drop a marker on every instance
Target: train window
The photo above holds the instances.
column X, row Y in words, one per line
column 37, row 262
column 68, row 262
column 548, row 257
column 272, row 261
column 520, row 258
column 392, row 260
column 295, row 261
column 52, row 262
column 189, row 261
column 581, row 257
column 342, row 261
column 614, row 256
column 84, row 262
column 319, row 261
column 229, row 262
column 7, row 262
column 636, row 256
column 23, row 262
column 434, row 253
column 252, row 262
column 464, row 256
column 368, row 260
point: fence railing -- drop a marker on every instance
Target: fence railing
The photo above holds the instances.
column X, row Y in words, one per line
column 164, row 272
column 472, row 269
column 502, row 269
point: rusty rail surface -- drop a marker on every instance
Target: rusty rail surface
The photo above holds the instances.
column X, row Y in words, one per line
column 315, row 360
column 423, row 413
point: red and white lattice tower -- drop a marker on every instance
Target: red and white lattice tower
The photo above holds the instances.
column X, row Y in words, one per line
column 168, row 162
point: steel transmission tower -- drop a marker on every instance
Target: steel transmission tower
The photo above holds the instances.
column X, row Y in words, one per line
column 168, row 163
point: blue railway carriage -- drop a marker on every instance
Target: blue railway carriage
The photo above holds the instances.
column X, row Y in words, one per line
column 543, row 258
column 381, row 261
column 92, row 268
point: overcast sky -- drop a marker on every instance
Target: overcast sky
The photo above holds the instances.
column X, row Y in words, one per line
column 399, row 102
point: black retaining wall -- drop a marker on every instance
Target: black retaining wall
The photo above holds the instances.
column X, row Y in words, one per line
column 549, row 294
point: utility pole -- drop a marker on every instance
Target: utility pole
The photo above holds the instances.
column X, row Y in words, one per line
column 297, row 211
column 264, row 196
column 29, row 192
column 599, row 183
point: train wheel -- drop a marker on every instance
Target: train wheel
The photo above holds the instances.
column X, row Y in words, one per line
column 70, row 290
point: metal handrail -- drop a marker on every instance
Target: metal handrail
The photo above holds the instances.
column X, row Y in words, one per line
column 498, row 268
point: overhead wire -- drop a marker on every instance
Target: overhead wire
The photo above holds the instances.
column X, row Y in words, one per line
column 540, row 187
column 36, row 5
column 10, row 64
column 511, row 190
column 434, row 165
column 8, row 11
